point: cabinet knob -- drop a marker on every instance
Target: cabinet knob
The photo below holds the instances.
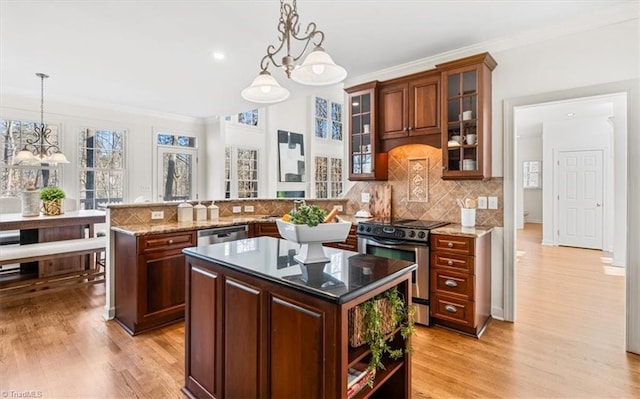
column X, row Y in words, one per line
column 450, row 283
column 450, row 245
column 450, row 262
column 404, row 129
column 169, row 242
column 410, row 128
column 450, row 308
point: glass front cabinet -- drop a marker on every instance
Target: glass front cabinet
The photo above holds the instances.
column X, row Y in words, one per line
column 466, row 113
column 365, row 160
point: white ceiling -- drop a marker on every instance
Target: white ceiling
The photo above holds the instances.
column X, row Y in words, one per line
column 156, row 55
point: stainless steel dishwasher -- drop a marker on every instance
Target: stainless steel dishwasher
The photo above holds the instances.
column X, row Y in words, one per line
column 222, row 234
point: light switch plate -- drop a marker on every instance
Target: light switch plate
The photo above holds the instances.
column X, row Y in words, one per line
column 157, row 214
column 237, row 209
column 366, row 197
column 493, row 202
column 338, row 207
column 482, row 202
column 248, row 208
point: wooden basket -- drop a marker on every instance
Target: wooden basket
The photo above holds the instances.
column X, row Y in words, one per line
column 357, row 327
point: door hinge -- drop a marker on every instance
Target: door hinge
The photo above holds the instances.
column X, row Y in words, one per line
column 558, row 231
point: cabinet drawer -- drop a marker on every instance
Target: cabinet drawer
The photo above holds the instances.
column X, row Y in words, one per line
column 266, row 229
column 452, row 309
column 164, row 242
column 452, row 283
column 460, row 245
column 459, row 263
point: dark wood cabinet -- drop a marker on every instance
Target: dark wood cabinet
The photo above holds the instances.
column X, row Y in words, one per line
column 466, row 116
column 366, row 160
column 410, row 106
column 260, row 229
column 150, row 279
column 248, row 337
column 461, row 282
column 350, row 244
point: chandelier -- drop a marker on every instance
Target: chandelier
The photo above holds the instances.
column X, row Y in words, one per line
column 318, row 69
column 47, row 151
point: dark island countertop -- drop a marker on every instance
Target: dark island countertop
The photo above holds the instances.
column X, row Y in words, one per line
column 346, row 276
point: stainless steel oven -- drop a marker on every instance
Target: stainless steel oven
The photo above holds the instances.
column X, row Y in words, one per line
column 404, row 240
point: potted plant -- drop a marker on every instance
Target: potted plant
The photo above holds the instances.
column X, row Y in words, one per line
column 52, row 200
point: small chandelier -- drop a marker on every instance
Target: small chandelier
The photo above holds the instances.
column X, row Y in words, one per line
column 318, row 69
column 47, row 152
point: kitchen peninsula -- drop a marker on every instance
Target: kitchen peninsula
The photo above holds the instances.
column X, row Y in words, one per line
column 258, row 324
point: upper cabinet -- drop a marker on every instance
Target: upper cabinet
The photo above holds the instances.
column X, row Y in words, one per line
column 466, row 115
column 366, row 161
column 410, row 106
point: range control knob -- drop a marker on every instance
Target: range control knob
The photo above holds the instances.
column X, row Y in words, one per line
column 360, row 228
column 401, row 233
column 421, row 235
column 412, row 234
column 368, row 229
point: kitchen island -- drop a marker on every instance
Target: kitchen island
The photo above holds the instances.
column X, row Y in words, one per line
column 259, row 325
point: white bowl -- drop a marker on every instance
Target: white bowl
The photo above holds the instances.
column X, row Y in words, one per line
column 311, row 238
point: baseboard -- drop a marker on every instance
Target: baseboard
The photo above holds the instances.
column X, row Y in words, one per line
column 547, row 243
column 536, row 221
column 497, row 313
column 109, row 313
column 618, row 262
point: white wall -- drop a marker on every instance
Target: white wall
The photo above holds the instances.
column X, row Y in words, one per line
column 529, row 148
column 576, row 135
column 140, row 127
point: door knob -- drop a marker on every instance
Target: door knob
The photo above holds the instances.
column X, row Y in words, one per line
column 598, row 204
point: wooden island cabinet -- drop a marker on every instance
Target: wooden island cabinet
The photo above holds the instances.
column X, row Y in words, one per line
column 258, row 328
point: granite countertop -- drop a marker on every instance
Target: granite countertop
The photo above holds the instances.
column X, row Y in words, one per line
column 346, row 276
column 457, row 230
column 174, row 227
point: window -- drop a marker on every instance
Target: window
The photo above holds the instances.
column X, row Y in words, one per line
column 328, row 122
column 177, row 161
column 328, row 177
column 14, row 136
column 101, row 167
column 240, row 173
column 249, row 118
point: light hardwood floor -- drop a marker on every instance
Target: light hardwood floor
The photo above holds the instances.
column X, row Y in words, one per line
column 568, row 342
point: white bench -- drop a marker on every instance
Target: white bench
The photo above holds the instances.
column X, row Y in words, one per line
column 51, row 250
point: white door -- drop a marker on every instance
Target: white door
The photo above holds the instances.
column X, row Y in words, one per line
column 579, row 177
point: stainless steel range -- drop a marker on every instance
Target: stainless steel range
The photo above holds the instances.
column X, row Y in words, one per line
column 403, row 239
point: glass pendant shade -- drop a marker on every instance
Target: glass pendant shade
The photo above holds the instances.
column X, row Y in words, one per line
column 58, row 157
column 318, row 69
column 265, row 89
column 25, row 155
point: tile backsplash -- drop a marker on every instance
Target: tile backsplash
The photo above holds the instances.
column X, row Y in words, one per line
column 441, row 194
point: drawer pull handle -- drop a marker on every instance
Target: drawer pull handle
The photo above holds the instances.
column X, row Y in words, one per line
column 170, row 242
column 450, row 283
column 451, row 308
column 450, row 262
column 450, row 245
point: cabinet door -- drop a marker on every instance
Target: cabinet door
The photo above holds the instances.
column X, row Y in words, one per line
column 243, row 340
column 393, row 110
column 424, row 109
column 296, row 362
column 203, row 372
column 365, row 160
column 266, row 229
column 162, row 294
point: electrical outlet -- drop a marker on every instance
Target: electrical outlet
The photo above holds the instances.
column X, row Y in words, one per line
column 366, row 197
column 145, row 189
column 237, row 209
column 482, row 202
column 157, row 214
column 493, row 202
column 248, row 208
column 338, row 207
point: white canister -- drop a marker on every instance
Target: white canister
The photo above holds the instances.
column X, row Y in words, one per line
column 467, row 217
column 185, row 212
column 214, row 211
column 199, row 212
column 31, row 203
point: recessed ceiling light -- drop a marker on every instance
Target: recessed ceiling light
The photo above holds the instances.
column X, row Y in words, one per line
column 570, row 114
column 217, row 55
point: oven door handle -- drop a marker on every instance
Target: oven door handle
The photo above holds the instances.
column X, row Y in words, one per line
column 385, row 242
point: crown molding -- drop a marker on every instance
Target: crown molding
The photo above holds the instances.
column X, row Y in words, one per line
column 611, row 16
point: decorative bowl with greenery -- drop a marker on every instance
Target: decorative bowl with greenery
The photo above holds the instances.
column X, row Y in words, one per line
column 52, row 200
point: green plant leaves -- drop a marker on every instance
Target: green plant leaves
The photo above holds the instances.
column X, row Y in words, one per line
column 311, row 215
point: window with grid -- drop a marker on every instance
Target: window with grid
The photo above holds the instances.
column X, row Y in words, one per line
column 328, row 177
column 245, row 118
column 101, row 163
column 241, row 173
column 328, row 119
column 14, row 136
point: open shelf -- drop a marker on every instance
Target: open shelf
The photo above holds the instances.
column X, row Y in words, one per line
column 391, row 367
